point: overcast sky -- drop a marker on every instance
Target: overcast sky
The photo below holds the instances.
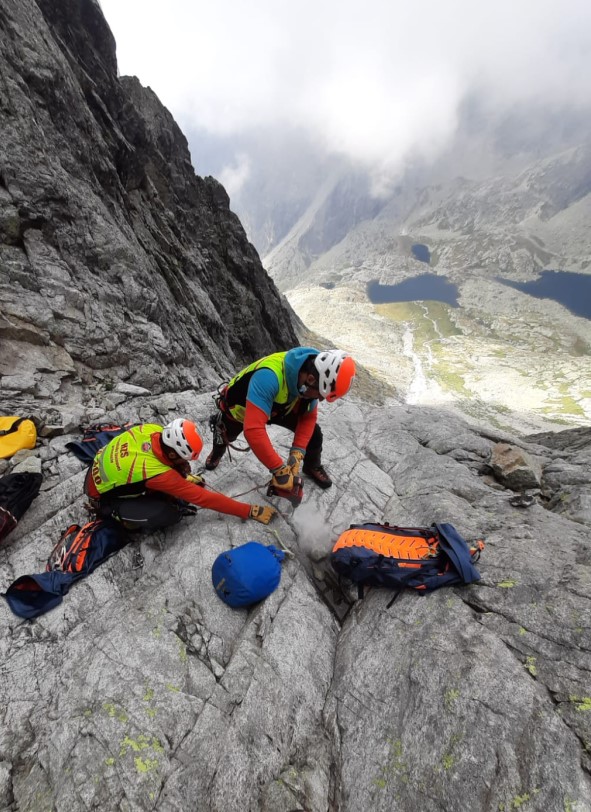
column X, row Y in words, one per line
column 374, row 80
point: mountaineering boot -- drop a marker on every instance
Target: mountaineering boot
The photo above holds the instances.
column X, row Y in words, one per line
column 316, row 472
column 215, row 455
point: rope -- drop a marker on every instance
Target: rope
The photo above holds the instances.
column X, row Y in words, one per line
column 285, row 549
column 235, row 496
column 283, row 515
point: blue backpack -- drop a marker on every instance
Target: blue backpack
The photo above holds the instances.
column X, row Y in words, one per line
column 247, row 574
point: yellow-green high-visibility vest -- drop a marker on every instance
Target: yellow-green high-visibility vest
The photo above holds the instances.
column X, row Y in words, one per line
column 127, row 459
column 275, row 362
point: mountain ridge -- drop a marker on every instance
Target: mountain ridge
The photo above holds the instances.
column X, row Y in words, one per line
column 478, row 232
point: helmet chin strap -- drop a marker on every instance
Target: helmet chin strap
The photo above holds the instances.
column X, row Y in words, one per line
column 303, row 389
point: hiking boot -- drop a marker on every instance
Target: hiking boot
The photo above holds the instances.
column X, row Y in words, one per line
column 318, row 474
column 215, row 455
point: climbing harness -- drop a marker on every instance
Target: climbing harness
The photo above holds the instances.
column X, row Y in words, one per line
column 216, row 421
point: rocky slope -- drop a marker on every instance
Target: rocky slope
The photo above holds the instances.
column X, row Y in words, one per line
column 144, row 691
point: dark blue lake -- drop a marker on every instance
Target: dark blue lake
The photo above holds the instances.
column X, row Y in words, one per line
column 573, row 290
column 420, row 288
column 421, row 252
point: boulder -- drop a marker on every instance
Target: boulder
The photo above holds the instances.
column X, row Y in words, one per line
column 515, row 468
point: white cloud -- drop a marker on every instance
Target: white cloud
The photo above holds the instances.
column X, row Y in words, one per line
column 234, row 176
column 377, row 80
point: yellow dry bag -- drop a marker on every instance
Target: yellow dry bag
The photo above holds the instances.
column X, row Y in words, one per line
column 16, row 433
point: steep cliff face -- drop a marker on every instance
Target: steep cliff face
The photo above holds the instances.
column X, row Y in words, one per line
column 113, row 250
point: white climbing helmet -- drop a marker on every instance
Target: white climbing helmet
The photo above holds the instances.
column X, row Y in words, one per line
column 182, row 436
column 336, row 371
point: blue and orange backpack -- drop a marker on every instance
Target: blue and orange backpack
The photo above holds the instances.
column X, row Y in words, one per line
column 422, row 558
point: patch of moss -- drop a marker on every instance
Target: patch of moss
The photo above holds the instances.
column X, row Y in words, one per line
column 145, row 765
column 182, row 651
column 395, row 765
column 581, row 703
column 450, row 697
column 142, row 742
column 115, row 713
column 530, row 664
column 519, row 800
column 448, row 761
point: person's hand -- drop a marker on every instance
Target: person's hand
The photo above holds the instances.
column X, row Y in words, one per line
column 282, row 478
column 262, row 513
column 196, row 479
column 295, row 459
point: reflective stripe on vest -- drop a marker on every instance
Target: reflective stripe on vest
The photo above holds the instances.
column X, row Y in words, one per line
column 276, row 363
column 127, row 459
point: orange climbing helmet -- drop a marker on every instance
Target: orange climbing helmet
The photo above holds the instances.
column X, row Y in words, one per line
column 336, row 371
column 182, row 436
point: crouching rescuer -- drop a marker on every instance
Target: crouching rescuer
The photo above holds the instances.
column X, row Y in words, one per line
column 282, row 389
column 143, row 479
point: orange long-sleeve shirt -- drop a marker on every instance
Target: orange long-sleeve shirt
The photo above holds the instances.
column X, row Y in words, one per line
column 255, row 433
column 174, row 484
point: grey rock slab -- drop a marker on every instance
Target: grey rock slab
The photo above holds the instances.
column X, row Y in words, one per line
column 31, row 465
column 184, row 698
column 131, row 389
column 18, row 383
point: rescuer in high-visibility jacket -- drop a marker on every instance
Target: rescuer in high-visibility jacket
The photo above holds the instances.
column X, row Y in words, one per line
column 143, row 478
column 283, row 389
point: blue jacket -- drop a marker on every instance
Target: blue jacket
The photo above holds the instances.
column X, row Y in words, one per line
column 263, row 386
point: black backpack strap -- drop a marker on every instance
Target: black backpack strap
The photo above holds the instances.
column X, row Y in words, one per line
column 396, row 594
column 14, row 426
